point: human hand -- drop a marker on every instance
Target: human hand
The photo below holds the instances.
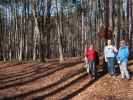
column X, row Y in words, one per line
column 106, row 60
column 115, row 49
column 119, row 62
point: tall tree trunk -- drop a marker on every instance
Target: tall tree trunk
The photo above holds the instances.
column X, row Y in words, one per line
column 47, row 27
column 106, row 13
column 59, row 31
column 21, row 37
column 36, row 31
column 44, row 32
column 130, row 22
column 82, row 34
column 111, row 8
column 61, row 58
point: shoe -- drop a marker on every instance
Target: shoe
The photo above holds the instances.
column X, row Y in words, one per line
column 110, row 76
column 122, row 79
column 114, row 76
column 128, row 79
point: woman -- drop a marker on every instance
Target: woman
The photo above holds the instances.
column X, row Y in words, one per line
column 109, row 53
column 91, row 58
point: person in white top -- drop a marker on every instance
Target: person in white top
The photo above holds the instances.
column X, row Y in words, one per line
column 109, row 54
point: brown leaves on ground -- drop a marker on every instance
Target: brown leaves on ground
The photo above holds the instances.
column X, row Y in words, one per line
column 54, row 81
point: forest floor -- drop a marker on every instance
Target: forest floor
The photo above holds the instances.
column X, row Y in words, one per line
column 54, row 81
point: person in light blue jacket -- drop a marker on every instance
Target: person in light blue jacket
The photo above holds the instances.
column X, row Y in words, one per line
column 122, row 58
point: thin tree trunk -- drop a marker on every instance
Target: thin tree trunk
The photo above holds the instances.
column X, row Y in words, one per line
column 111, row 8
column 21, row 39
column 36, row 32
column 59, row 31
column 61, row 58
column 130, row 21
column 82, row 29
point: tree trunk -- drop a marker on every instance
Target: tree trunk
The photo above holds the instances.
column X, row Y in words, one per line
column 36, row 32
column 82, row 34
column 130, row 22
column 111, row 8
column 59, row 31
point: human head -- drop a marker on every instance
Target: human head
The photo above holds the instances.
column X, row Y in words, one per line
column 122, row 43
column 91, row 46
column 109, row 42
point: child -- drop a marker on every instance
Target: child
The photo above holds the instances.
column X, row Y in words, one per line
column 122, row 58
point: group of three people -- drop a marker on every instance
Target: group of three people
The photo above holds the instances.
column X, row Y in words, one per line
column 110, row 53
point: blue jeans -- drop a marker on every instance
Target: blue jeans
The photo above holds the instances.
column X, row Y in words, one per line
column 110, row 65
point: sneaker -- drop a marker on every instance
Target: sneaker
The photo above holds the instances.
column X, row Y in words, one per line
column 128, row 79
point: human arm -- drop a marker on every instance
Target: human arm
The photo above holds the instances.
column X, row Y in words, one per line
column 123, row 54
column 105, row 54
column 115, row 49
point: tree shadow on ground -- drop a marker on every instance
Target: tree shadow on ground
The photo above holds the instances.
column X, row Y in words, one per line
column 41, row 75
column 69, row 96
column 64, row 79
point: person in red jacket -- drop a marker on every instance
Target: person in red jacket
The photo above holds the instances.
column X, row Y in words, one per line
column 91, row 58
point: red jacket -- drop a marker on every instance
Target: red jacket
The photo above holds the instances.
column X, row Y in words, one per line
column 90, row 54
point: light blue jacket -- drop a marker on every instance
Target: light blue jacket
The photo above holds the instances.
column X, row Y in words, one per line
column 123, row 54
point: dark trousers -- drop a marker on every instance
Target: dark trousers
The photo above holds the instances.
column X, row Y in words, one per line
column 92, row 66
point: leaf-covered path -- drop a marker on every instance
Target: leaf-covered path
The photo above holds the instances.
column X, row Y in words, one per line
column 54, row 81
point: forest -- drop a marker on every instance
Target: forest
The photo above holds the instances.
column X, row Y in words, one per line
column 43, row 43
column 44, row 29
